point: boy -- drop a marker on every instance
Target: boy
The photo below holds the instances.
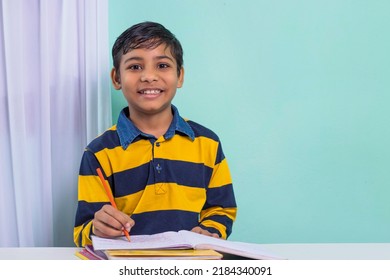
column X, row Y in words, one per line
column 165, row 173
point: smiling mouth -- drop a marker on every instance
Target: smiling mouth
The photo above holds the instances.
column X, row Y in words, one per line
column 151, row 91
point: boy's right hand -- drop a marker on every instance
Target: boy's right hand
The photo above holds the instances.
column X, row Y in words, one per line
column 110, row 222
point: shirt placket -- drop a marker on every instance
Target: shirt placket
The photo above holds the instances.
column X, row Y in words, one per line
column 159, row 168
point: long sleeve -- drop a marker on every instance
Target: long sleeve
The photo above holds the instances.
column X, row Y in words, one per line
column 91, row 198
column 219, row 211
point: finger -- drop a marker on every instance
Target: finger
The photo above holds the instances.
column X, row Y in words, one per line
column 204, row 232
column 124, row 220
column 197, row 230
column 104, row 230
column 129, row 224
column 106, row 218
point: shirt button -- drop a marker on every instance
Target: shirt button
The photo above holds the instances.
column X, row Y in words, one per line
column 158, row 144
column 158, row 168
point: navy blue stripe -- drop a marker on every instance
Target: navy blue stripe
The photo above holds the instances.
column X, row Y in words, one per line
column 221, row 196
column 211, row 230
column 130, row 181
column 220, row 155
column 160, row 221
column 184, row 173
column 180, row 172
column 108, row 140
column 89, row 163
column 200, row 130
column 205, row 132
column 86, row 211
column 221, row 219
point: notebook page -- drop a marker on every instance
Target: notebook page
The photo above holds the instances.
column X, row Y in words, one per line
column 250, row 250
column 154, row 241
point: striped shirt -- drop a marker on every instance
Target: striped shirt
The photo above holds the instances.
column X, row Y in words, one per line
column 179, row 181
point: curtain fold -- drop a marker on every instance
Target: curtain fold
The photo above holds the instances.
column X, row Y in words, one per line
column 54, row 99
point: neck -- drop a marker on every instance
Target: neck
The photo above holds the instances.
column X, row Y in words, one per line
column 155, row 125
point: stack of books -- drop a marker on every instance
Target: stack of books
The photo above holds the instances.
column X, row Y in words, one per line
column 89, row 253
column 171, row 245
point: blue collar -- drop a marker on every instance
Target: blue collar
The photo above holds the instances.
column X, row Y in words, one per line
column 127, row 131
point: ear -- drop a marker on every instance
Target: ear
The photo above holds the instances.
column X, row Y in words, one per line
column 116, row 82
column 181, row 78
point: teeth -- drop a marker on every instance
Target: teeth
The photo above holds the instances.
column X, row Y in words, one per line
column 151, row 91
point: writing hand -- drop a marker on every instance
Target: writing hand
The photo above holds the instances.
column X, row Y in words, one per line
column 110, row 222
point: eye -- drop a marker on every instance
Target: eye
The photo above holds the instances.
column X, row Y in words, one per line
column 135, row 67
column 163, row 65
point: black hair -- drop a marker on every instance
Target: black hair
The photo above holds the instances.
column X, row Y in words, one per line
column 147, row 35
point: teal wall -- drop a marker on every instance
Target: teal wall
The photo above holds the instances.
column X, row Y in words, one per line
column 299, row 93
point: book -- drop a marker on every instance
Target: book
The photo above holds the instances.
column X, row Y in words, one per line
column 84, row 255
column 166, row 254
column 183, row 240
column 88, row 253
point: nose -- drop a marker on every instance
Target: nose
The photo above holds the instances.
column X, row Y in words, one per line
column 149, row 75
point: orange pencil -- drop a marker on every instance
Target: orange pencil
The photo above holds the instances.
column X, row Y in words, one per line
column 108, row 191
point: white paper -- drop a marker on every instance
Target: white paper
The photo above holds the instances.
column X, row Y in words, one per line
column 180, row 240
column 154, row 241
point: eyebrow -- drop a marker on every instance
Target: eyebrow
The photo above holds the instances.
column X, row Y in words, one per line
column 138, row 58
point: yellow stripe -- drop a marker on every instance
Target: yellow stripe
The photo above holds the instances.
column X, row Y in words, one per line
column 91, row 189
column 85, row 240
column 117, row 160
column 76, row 234
column 220, row 227
column 128, row 203
column 170, row 196
column 221, row 175
column 87, row 229
column 228, row 212
column 217, row 210
column 178, row 148
column 183, row 149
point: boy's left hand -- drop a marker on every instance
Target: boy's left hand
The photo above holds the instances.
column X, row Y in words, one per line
column 204, row 232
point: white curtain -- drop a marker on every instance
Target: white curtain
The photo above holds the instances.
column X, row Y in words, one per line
column 54, row 99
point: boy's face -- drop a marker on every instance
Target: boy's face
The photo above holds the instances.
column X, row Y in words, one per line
column 148, row 79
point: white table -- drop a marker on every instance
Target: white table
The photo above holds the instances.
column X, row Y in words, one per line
column 334, row 251
column 39, row 253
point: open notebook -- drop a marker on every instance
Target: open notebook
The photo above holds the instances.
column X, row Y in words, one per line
column 183, row 240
